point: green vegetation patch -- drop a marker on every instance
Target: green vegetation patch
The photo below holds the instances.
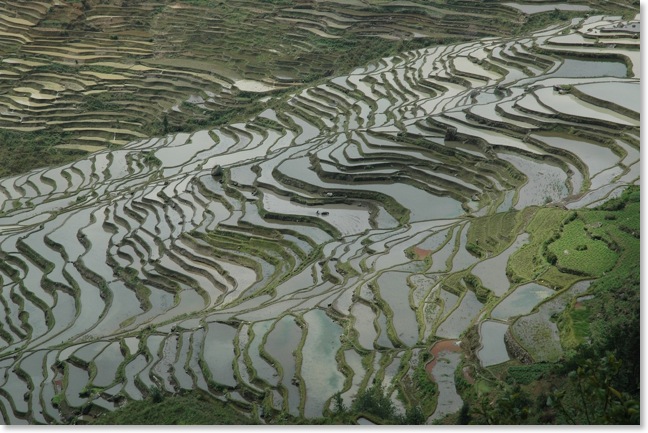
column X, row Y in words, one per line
column 610, row 320
column 528, row 263
column 525, row 374
column 194, row 408
column 376, row 404
column 577, row 252
column 597, row 378
column 490, row 235
column 574, row 325
column 425, row 389
column 23, row 151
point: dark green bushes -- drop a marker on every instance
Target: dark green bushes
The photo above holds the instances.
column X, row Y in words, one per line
column 192, row 408
column 376, row 403
column 23, row 151
column 525, row 374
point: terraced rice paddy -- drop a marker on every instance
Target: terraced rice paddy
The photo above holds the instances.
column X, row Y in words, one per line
column 108, row 73
column 309, row 249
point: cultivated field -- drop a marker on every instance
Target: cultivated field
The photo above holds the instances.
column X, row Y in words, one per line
column 327, row 240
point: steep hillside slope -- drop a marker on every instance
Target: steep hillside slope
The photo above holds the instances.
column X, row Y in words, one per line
column 78, row 76
column 350, row 232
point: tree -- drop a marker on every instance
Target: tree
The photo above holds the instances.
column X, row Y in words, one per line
column 156, row 394
column 593, row 397
column 374, row 401
column 339, row 407
column 413, row 416
column 510, row 406
column 464, row 415
column 165, row 124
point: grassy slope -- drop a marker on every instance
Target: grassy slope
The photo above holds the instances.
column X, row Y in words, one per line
column 590, row 329
column 249, row 39
column 20, row 151
column 194, row 408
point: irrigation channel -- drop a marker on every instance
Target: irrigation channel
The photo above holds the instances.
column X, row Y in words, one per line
column 309, row 250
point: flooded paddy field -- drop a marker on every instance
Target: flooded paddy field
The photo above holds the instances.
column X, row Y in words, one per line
column 315, row 247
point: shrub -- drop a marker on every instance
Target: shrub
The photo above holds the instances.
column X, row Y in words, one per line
column 374, row 401
column 525, row 374
column 156, row 395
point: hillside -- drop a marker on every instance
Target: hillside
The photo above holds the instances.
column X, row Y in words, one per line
column 436, row 235
column 80, row 76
